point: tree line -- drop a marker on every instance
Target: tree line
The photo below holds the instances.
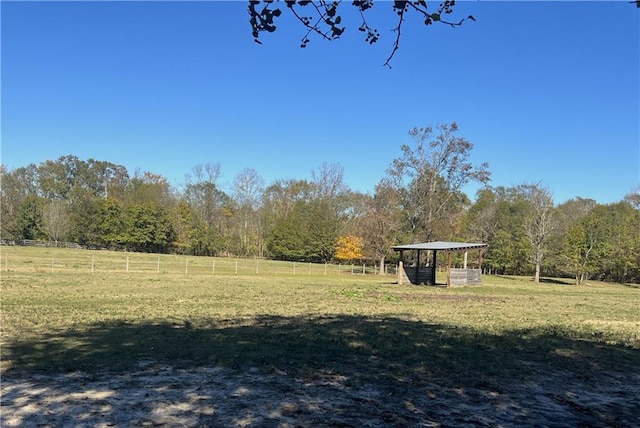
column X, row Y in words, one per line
column 99, row 204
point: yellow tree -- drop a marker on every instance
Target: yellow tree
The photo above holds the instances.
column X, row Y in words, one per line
column 349, row 247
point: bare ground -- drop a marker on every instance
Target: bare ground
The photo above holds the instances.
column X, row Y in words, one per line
column 160, row 395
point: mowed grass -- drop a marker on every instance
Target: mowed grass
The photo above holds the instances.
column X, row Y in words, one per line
column 312, row 323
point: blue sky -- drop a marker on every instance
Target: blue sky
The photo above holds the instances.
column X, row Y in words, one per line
column 546, row 91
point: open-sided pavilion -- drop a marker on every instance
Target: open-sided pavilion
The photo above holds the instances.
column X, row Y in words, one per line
column 425, row 273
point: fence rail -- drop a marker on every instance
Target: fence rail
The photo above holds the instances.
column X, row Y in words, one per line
column 65, row 260
column 37, row 243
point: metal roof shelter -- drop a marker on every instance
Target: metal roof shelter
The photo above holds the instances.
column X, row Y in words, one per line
column 428, row 274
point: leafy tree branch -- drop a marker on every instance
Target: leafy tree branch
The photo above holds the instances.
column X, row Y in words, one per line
column 322, row 18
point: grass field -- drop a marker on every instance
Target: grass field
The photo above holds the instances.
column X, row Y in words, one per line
column 363, row 327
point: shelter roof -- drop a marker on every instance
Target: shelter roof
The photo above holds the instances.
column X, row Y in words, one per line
column 442, row 246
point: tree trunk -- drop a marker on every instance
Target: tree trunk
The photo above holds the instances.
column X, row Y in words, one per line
column 537, row 277
column 381, row 271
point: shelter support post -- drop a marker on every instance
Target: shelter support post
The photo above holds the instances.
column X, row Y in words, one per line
column 448, row 269
column 433, row 270
column 400, row 272
column 418, row 268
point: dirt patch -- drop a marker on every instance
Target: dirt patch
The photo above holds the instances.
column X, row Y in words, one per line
column 160, row 395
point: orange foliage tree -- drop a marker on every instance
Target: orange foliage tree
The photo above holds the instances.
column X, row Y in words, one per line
column 349, row 247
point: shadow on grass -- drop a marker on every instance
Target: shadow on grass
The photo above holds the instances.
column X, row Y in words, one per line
column 557, row 281
column 362, row 347
column 394, row 354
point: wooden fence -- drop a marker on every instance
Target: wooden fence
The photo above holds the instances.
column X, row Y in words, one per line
column 466, row 276
column 64, row 260
column 424, row 275
column 38, row 243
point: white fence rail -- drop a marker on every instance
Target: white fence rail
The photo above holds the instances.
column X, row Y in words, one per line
column 59, row 259
column 37, row 243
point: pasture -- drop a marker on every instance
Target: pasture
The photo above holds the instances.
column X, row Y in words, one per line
column 199, row 341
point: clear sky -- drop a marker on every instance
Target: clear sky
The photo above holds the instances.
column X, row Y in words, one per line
column 546, row 91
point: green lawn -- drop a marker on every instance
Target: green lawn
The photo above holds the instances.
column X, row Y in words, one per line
column 363, row 326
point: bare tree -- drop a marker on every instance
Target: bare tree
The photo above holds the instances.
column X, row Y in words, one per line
column 634, row 195
column 538, row 225
column 56, row 220
column 329, row 181
column 210, row 208
column 204, row 173
column 430, row 177
column 381, row 222
column 248, row 187
column 202, row 191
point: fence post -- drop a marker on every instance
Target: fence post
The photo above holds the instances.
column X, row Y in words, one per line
column 213, row 267
column 236, row 266
column 257, row 265
column 294, row 268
